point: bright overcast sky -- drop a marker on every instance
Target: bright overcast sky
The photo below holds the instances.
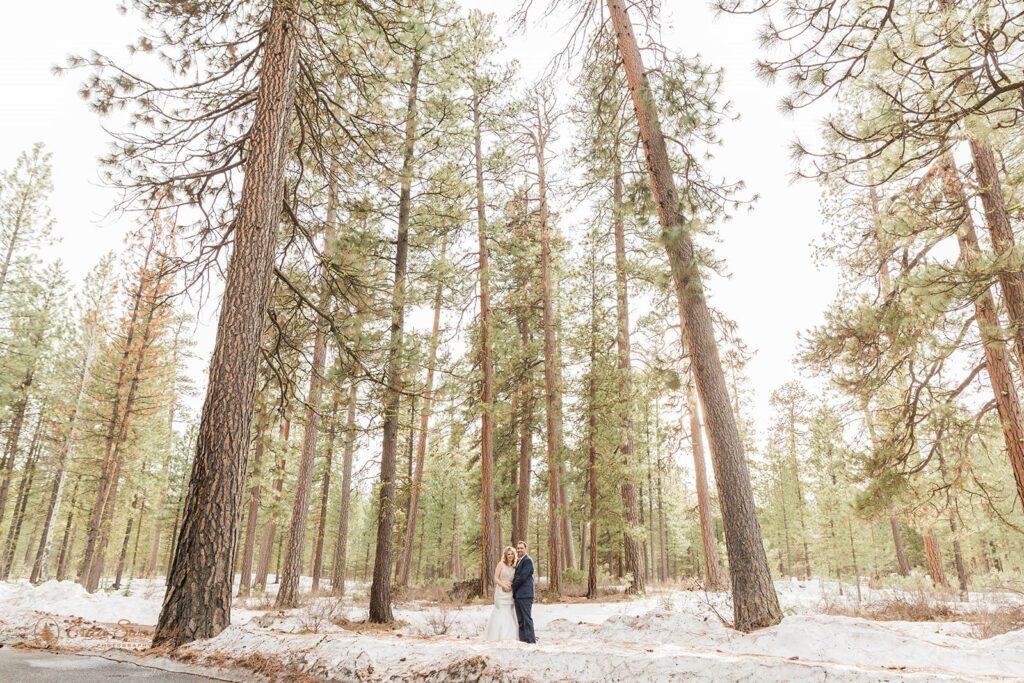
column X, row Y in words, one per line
column 775, row 291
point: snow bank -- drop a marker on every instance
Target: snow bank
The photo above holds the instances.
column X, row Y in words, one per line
column 141, row 605
column 668, row 636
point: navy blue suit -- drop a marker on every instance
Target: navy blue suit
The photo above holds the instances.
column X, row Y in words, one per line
column 522, row 596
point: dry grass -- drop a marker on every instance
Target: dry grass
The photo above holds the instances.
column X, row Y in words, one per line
column 603, row 595
column 998, row 622
column 924, row 606
column 434, row 593
column 916, row 606
column 440, row 620
column 266, row 667
column 259, row 602
column 364, row 627
column 316, row 614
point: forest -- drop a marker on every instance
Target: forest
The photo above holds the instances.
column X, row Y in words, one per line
column 452, row 308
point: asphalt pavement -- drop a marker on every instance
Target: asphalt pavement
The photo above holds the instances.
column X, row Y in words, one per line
column 37, row 666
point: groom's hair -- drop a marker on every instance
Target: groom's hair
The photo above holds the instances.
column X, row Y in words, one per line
column 523, row 543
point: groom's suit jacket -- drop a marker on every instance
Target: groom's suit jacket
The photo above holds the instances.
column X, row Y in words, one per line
column 522, row 581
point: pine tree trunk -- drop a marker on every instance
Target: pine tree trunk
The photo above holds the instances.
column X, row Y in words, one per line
column 568, row 544
column 800, row 502
column 591, row 442
column 325, row 491
column 522, row 526
column 853, row 556
column 64, row 558
column 902, row 564
column 198, row 599
column 630, row 505
column 32, row 542
column 997, row 218
column 552, row 385
column 20, row 505
column 712, row 570
column 248, row 549
column 958, row 556
column 936, row 570
column 456, row 555
column 338, row 566
column 158, row 510
column 288, row 594
column 123, row 557
column 648, row 518
column 270, row 526
column 755, row 603
column 380, row 588
column 785, row 521
column 405, row 560
column 91, row 567
column 997, row 361
column 14, row 436
column 138, row 537
column 41, row 566
column 41, row 569
column 487, row 532
column 885, row 282
column 116, row 437
column 663, row 549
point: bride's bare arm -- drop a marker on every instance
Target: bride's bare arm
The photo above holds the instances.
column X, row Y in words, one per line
column 497, row 578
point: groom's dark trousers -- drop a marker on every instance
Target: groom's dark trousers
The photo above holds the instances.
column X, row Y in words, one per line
column 522, row 595
column 524, row 608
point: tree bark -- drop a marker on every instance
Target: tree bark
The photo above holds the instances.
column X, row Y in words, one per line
column 902, row 564
column 64, row 558
column 198, row 599
column 270, row 526
column 405, row 560
column 248, row 549
column 21, row 503
column 487, row 532
column 591, row 441
column 755, row 603
column 338, row 566
column 997, row 218
column 325, row 491
column 997, row 362
column 552, row 385
column 712, row 570
column 522, row 518
column 632, row 546
column 380, row 588
column 41, row 566
column 936, row 570
column 288, row 594
column 14, row 436
column 958, row 556
column 121, row 407
column 154, row 547
column 123, row 557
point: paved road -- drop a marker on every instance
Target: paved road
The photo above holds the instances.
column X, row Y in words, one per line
column 37, row 666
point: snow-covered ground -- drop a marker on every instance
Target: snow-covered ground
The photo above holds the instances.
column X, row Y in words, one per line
column 666, row 636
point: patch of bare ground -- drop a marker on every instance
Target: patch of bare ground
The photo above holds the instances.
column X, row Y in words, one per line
column 922, row 606
column 368, row 627
column 470, row 670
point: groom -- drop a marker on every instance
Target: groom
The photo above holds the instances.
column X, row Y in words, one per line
column 522, row 593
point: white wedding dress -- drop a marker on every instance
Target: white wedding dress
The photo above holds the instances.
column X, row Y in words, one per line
column 503, row 625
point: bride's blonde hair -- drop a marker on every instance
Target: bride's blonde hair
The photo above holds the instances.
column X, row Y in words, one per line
column 504, row 556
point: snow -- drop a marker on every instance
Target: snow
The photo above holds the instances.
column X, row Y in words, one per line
column 673, row 635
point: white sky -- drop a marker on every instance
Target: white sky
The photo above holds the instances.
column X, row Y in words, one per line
column 775, row 290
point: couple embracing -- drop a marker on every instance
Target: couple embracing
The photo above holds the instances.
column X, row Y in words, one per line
column 513, row 597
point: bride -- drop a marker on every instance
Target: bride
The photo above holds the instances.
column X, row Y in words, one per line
column 502, row 625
